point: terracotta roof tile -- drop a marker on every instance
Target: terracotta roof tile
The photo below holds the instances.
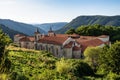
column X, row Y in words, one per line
column 59, row 39
column 93, row 42
column 27, row 39
column 31, row 38
column 53, row 40
column 62, row 35
column 69, row 45
column 75, row 48
column 74, row 35
column 68, row 35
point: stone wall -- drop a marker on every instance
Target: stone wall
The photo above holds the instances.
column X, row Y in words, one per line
column 56, row 50
column 16, row 39
column 28, row 45
column 77, row 54
column 67, row 52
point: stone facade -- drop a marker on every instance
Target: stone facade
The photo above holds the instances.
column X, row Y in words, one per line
column 60, row 45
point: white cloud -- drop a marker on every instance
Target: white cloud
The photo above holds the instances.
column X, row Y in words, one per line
column 6, row 2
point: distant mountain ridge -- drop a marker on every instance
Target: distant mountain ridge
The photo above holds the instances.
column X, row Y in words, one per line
column 20, row 27
column 55, row 26
column 90, row 20
column 8, row 31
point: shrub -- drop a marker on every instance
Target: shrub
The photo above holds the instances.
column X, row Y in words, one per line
column 46, row 75
column 63, row 66
column 73, row 67
column 3, row 77
column 81, row 69
column 16, row 76
column 112, row 76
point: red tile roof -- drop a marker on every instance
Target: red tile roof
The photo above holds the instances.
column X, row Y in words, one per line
column 74, row 35
column 62, row 35
column 53, row 40
column 68, row 35
column 75, row 48
column 27, row 39
column 59, row 39
column 69, row 45
column 31, row 38
column 93, row 42
column 87, row 37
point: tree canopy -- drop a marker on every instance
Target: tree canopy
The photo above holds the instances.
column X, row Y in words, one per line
column 109, row 59
column 4, row 62
column 97, row 30
column 91, row 56
column 70, row 31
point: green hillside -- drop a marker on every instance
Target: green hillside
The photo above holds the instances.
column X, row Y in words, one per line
column 41, row 65
column 25, row 28
column 90, row 20
column 29, row 64
column 9, row 31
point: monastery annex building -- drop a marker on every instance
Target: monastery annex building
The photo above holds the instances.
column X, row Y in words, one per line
column 61, row 45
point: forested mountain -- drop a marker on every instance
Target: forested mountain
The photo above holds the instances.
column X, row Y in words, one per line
column 55, row 26
column 90, row 20
column 8, row 31
column 21, row 27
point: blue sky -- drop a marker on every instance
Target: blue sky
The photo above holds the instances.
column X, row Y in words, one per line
column 46, row 11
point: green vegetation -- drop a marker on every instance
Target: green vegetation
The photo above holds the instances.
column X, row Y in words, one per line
column 109, row 59
column 9, row 31
column 91, row 20
column 91, row 56
column 106, row 60
column 30, row 64
column 41, row 65
column 70, row 31
column 4, row 61
column 97, row 30
column 25, row 64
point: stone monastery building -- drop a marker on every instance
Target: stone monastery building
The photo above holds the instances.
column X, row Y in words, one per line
column 60, row 45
